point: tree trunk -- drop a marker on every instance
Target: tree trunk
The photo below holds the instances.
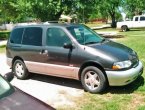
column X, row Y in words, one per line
column 112, row 14
column 113, row 24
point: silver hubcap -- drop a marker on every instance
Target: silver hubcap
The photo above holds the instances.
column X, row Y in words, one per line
column 92, row 80
column 19, row 69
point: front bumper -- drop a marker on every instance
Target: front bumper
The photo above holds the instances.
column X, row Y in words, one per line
column 120, row 78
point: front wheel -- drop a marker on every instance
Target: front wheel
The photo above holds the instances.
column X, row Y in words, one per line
column 93, row 80
column 20, row 70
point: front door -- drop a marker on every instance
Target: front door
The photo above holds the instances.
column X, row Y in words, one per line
column 59, row 59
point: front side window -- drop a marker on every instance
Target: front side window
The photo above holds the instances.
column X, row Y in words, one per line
column 16, row 35
column 32, row 36
column 56, row 37
column 84, row 35
column 142, row 18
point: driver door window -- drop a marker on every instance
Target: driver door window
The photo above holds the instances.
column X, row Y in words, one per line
column 56, row 37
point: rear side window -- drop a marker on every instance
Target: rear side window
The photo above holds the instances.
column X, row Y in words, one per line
column 32, row 36
column 136, row 19
column 16, row 36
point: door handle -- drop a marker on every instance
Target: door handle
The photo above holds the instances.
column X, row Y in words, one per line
column 44, row 52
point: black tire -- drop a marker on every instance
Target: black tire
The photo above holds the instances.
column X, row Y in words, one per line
column 124, row 28
column 20, row 70
column 93, row 80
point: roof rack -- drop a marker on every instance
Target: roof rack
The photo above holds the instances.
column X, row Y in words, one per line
column 49, row 22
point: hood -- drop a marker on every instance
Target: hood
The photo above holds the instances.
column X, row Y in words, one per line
column 19, row 100
column 114, row 51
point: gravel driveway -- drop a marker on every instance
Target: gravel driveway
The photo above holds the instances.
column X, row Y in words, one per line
column 51, row 90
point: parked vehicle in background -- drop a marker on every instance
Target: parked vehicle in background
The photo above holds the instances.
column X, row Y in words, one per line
column 12, row 98
column 71, row 51
column 137, row 22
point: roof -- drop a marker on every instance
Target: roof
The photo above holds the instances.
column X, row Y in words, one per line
column 139, row 15
column 45, row 25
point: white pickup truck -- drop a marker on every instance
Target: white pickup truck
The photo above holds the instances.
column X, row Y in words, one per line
column 137, row 22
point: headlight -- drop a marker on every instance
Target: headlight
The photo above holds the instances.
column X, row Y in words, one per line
column 121, row 65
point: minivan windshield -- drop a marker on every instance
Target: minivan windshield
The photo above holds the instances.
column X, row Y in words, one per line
column 84, row 35
column 5, row 88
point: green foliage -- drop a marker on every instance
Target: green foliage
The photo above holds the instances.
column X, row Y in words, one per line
column 85, row 10
column 133, row 7
column 109, row 8
column 4, row 35
column 141, row 108
column 46, row 10
column 14, row 10
column 19, row 10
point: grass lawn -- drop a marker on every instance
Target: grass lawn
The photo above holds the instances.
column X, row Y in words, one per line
column 130, row 97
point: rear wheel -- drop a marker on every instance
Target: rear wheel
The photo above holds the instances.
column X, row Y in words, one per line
column 20, row 70
column 124, row 28
column 93, row 79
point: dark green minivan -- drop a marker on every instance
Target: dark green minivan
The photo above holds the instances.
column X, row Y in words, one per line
column 71, row 51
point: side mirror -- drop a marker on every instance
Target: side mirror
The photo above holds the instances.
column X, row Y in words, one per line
column 9, row 76
column 68, row 46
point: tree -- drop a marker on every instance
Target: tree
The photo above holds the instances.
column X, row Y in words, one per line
column 46, row 10
column 52, row 9
column 15, row 10
column 133, row 7
column 84, row 9
column 5, row 14
column 109, row 8
column 19, row 10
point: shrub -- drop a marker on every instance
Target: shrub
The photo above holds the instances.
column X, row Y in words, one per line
column 4, row 35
